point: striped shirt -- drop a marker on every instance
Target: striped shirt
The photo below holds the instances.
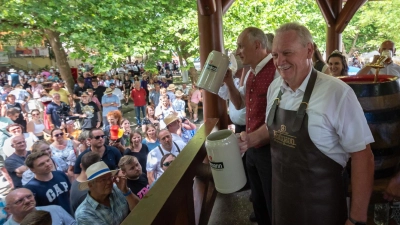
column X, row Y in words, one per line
column 91, row 212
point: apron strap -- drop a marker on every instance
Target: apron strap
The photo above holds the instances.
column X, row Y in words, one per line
column 301, row 112
column 271, row 115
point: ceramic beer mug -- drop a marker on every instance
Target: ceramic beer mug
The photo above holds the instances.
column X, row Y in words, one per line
column 213, row 72
column 225, row 161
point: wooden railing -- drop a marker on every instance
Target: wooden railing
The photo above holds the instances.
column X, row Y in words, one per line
column 185, row 193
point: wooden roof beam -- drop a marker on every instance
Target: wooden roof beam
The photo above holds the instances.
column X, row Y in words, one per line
column 348, row 11
column 207, row 7
column 327, row 12
column 226, row 4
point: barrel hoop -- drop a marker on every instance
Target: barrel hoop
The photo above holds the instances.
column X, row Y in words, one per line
column 388, row 115
column 374, row 90
column 382, row 102
column 386, row 151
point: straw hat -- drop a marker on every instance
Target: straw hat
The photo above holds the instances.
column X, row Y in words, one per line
column 31, row 80
column 178, row 93
column 85, row 94
column 171, row 87
column 94, row 171
column 12, row 71
column 170, row 118
column 108, row 91
column 89, row 90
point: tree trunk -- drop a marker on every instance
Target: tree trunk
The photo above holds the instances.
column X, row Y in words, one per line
column 61, row 58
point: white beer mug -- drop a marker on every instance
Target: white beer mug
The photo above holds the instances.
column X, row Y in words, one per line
column 225, row 161
column 213, row 72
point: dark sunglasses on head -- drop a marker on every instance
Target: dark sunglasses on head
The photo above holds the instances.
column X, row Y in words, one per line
column 100, row 136
column 166, row 164
column 60, row 134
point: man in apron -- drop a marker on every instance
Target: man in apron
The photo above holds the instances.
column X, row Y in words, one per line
column 315, row 123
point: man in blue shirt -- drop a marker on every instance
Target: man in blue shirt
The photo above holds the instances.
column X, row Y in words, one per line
column 105, row 202
column 110, row 102
column 56, row 111
column 20, row 202
column 13, row 78
column 15, row 163
column 50, row 187
column 109, row 155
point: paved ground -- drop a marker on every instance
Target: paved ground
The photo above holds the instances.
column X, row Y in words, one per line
column 232, row 209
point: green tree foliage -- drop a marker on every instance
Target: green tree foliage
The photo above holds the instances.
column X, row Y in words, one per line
column 106, row 32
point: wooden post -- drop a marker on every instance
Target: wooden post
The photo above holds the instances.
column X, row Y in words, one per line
column 334, row 39
column 337, row 19
column 211, row 38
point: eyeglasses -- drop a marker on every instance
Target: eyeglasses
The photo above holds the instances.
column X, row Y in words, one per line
column 60, row 134
column 21, row 200
column 166, row 164
column 99, row 136
column 35, row 114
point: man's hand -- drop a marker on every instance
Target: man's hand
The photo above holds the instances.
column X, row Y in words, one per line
column 120, row 181
column 392, row 191
column 242, row 139
column 228, row 76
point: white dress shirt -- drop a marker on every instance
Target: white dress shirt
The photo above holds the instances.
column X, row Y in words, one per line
column 336, row 122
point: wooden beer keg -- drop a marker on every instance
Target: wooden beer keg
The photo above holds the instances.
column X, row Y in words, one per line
column 381, row 104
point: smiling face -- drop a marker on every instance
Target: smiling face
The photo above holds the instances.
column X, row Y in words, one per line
column 112, row 120
column 292, row 59
column 136, row 139
column 335, row 66
column 151, row 132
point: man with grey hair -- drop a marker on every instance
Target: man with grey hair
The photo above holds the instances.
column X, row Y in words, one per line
column 314, row 124
column 20, row 202
column 254, row 48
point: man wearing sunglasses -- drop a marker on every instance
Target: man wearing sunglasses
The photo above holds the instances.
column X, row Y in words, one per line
column 15, row 164
column 21, row 202
column 109, row 155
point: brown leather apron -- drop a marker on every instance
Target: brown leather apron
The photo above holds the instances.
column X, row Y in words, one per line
column 307, row 186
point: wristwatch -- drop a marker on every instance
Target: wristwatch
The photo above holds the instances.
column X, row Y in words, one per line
column 356, row 222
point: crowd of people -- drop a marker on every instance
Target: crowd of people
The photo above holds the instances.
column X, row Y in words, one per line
column 56, row 145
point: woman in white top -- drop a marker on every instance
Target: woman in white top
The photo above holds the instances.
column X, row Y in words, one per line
column 36, row 125
column 64, row 149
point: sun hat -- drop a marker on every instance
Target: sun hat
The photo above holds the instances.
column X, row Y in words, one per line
column 171, row 87
column 94, row 171
column 31, row 80
column 84, row 94
column 89, row 90
column 12, row 71
column 108, row 91
column 178, row 93
column 170, row 118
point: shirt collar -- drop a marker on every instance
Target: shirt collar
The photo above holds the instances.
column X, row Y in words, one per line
column 261, row 64
column 303, row 86
column 91, row 201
